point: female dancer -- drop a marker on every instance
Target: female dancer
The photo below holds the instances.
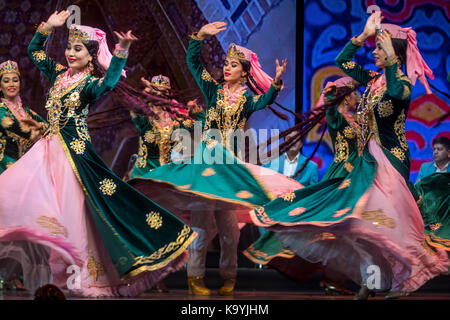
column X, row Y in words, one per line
column 212, row 189
column 61, row 195
column 15, row 137
column 342, row 127
column 155, row 132
column 368, row 220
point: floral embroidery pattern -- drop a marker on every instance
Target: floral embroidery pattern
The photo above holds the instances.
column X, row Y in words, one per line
column 39, row 55
column 341, row 149
column 59, row 67
column 385, row 109
column 141, row 161
column 154, row 220
column 78, row 146
column 108, row 187
column 290, row 196
column 349, row 132
column 435, row 226
column 73, row 100
column 397, row 152
column 349, row 65
column 399, row 128
column 207, row 77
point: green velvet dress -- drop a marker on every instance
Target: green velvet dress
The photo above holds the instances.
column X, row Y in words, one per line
column 434, row 204
column 214, row 172
column 344, row 139
column 129, row 237
column 14, row 139
column 155, row 142
column 368, row 216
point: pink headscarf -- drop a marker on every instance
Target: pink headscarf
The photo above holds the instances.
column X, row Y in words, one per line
column 415, row 65
column 87, row 33
column 263, row 80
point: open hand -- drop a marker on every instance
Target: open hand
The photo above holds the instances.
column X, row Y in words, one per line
column 125, row 39
column 58, row 19
column 280, row 70
column 372, row 22
column 211, row 29
column 385, row 42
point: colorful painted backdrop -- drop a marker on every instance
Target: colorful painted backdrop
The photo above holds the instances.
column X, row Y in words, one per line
column 329, row 24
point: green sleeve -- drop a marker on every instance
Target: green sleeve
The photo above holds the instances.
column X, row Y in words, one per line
column 142, row 123
column 99, row 87
column 261, row 101
column 345, row 63
column 10, row 124
column 334, row 117
column 398, row 85
column 207, row 84
column 36, row 51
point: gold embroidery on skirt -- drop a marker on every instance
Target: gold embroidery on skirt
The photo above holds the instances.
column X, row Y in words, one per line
column 379, row 218
column 208, row 172
column 289, row 196
column 243, row 194
column 154, row 220
column 95, row 268
column 348, row 166
column 340, row 213
column 52, row 225
column 296, row 211
column 344, row 184
column 78, row 146
column 183, row 235
column 108, row 187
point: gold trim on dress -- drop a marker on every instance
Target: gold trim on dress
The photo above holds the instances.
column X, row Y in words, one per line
column 260, row 257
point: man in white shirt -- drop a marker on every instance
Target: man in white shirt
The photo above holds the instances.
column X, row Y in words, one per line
column 292, row 160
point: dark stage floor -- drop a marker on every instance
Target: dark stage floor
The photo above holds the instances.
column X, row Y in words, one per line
column 258, row 284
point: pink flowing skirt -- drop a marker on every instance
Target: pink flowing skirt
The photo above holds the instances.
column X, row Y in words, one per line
column 42, row 203
column 385, row 230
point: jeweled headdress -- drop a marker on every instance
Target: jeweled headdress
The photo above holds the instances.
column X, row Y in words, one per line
column 235, row 51
column 9, row 67
column 161, row 82
column 75, row 33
